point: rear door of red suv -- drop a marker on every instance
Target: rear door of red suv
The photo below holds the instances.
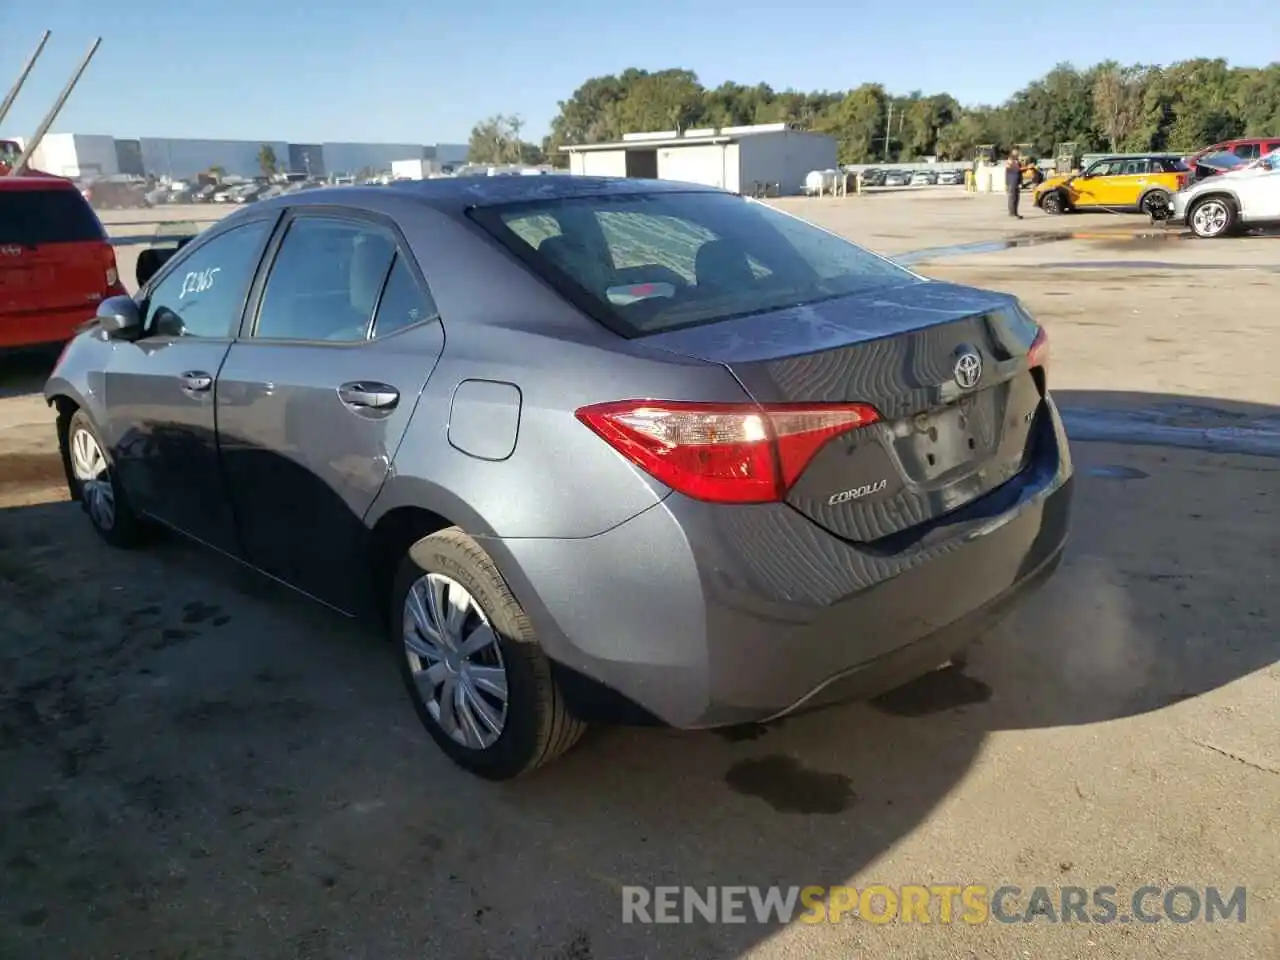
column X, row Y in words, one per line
column 56, row 264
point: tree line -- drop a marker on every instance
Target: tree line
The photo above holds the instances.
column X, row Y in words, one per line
column 1108, row 106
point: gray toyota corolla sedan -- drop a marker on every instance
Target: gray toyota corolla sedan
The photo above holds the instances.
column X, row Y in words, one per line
column 595, row 449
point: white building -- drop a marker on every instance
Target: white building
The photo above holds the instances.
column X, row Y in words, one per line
column 77, row 155
column 739, row 159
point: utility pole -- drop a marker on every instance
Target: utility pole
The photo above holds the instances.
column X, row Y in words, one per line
column 22, row 77
column 34, row 143
column 888, row 130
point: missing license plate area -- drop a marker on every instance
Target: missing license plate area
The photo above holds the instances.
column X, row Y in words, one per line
column 951, row 440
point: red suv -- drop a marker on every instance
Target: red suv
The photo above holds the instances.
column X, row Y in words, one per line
column 56, row 265
column 1249, row 148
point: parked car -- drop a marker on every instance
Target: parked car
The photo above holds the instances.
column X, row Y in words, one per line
column 1127, row 184
column 56, row 265
column 249, row 193
column 1246, row 196
column 784, row 520
column 924, row 178
column 108, row 194
column 1247, row 148
column 873, row 177
column 897, row 178
column 950, row 178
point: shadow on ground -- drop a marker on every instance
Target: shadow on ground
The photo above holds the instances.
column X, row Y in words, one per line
column 25, row 371
column 195, row 761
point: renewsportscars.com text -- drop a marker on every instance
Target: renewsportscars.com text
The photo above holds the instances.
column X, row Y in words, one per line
column 933, row 904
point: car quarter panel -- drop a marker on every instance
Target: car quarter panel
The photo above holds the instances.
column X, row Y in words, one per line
column 504, row 325
column 707, row 615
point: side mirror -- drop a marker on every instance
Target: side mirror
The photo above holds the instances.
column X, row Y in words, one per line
column 119, row 318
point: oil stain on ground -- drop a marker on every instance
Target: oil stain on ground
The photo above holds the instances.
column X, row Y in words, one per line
column 788, row 787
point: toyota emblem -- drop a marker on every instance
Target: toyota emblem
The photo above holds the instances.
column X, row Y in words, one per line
column 11, row 251
column 968, row 369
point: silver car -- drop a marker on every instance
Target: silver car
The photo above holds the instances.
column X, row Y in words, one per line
column 594, row 449
column 1240, row 194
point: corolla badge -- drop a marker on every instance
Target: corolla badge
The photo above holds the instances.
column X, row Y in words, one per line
column 968, row 369
column 857, row 493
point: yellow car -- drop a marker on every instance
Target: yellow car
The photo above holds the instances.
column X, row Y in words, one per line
column 1141, row 184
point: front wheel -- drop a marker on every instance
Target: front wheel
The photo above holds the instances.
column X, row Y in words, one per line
column 470, row 659
column 94, row 482
column 1156, row 205
column 1053, row 203
column 1212, row 217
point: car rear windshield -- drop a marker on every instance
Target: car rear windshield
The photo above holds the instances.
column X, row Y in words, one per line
column 32, row 217
column 648, row 263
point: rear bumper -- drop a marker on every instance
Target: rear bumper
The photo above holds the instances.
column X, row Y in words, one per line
column 41, row 327
column 709, row 616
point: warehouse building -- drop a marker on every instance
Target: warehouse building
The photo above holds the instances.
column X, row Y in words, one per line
column 181, row 158
column 88, row 156
column 740, row 159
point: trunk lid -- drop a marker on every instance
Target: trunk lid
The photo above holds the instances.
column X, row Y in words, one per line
column 946, row 367
column 54, row 253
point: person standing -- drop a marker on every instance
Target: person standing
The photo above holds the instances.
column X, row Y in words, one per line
column 1013, row 182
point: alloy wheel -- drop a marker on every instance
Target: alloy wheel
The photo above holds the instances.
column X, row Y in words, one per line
column 456, row 661
column 89, row 465
column 1210, row 218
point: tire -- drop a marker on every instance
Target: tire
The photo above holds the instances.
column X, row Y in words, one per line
column 93, row 482
column 1155, row 204
column 1053, row 203
column 536, row 726
column 1213, row 216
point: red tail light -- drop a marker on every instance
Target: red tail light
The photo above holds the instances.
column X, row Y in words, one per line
column 1038, row 355
column 723, row 453
column 110, row 273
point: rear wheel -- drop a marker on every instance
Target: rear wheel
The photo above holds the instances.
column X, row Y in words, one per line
column 94, row 482
column 471, row 662
column 1212, row 217
column 1053, row 203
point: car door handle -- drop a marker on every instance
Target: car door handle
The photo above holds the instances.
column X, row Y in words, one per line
column 364, row 395
column 196, row 380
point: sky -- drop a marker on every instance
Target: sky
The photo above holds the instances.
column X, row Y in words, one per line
column 413, row 72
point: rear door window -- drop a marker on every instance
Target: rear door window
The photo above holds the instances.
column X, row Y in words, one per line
column 35, row 217
column 403, row 303
column 1246, row 151
column 325, row 281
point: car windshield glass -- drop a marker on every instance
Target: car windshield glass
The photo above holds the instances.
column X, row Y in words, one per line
column 32, row 217
column 648, row 263
column 1270, row 162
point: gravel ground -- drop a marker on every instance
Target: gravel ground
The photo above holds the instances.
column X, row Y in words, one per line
column 194, row 763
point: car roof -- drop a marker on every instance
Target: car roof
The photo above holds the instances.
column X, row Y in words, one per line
column 454, row 195
column 36, row 183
